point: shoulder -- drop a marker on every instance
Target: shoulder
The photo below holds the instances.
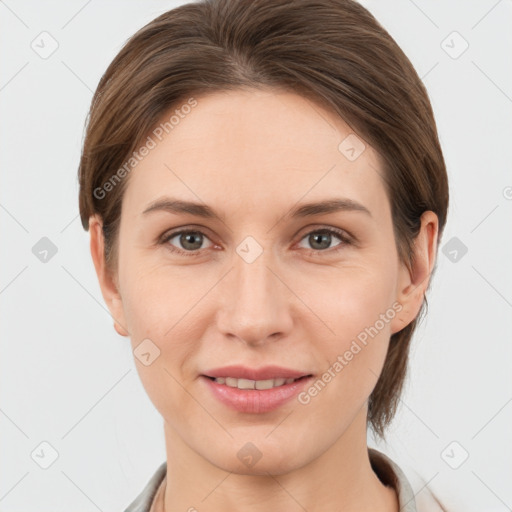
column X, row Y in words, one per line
column 390, row 473
column 142, row 503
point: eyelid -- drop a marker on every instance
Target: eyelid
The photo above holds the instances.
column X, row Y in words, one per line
column 168, row 235
column 313, row 228
column 345, row 237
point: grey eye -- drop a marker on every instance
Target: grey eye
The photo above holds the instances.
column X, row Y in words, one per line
column 320, row 240
column 187, row 240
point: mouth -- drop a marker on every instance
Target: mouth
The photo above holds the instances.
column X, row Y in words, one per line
column 250, row 390
column 234, row 382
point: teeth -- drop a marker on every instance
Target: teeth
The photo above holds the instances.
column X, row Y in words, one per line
column 253, row 384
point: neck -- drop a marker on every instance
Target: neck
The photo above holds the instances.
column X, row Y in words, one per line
column 339, row 479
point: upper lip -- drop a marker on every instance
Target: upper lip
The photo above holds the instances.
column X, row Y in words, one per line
column 264, row 373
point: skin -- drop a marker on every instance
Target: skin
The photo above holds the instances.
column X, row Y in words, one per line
column 252, row 156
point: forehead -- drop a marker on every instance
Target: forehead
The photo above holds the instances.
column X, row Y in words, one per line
column 251, row 147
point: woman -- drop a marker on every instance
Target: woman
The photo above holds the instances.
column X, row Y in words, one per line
column 265, row 193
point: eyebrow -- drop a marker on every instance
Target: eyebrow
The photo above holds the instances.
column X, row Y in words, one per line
column 326, row 206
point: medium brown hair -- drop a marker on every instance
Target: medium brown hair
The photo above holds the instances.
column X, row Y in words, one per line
column 332, row 52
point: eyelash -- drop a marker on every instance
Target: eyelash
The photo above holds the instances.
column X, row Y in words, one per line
column 344, row 238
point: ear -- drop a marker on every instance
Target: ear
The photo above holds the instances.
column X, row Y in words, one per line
column 413, row 283
column 108, row 283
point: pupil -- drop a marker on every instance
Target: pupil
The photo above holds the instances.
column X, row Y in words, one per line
column 190, row 238
column 322, row 237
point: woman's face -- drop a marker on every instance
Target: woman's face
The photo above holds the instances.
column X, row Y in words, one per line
column 260, row 281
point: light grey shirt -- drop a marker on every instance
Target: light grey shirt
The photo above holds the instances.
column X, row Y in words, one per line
column 386, row 469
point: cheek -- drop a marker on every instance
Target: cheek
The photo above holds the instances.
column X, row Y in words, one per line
column 358, row 309
column 161, row 304
column 361, row 305
column 349, row 299
column 155, row 311
column 155, row 297
column 167, row 315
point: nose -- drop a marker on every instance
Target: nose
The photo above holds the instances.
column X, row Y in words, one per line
column 255, row 304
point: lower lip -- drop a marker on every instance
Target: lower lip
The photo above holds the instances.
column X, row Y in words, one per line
column 256, row 400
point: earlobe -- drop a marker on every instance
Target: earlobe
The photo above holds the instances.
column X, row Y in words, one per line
column 120, row 329
column 413, row 282
column 109, row 289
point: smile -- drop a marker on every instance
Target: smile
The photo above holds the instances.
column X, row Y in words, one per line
column 255, row 396
column 233, row 382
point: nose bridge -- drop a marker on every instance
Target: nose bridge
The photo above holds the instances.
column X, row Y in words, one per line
column 253, row 307
column 253, row 281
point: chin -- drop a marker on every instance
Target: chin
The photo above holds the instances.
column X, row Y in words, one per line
column 264, row 467
column 257, row 458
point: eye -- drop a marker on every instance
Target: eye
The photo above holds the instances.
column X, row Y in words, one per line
column 190, row 241
column 320, row 239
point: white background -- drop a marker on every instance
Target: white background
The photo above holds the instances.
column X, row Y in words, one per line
column 68, row 379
